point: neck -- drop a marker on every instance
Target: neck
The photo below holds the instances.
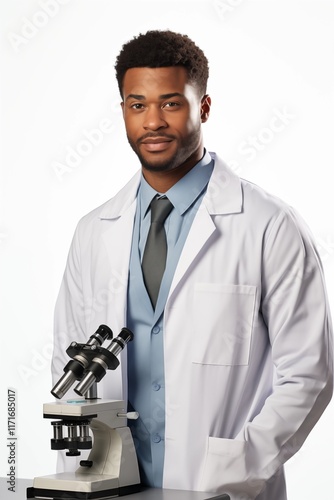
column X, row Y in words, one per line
column 163, row 181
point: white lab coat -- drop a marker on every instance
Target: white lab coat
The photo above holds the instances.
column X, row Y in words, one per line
column 248, row 295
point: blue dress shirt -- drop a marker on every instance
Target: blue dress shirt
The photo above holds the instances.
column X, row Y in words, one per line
column 145, row 353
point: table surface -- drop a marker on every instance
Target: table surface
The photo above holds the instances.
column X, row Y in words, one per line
column 146, row 494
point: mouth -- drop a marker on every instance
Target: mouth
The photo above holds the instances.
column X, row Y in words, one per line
column 156, row 143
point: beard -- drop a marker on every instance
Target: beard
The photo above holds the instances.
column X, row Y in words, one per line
column 185, row 148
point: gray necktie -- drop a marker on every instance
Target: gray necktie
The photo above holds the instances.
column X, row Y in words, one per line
column 155, row 252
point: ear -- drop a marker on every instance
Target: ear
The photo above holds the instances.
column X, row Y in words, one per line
column 122, row 106
column 205, row 107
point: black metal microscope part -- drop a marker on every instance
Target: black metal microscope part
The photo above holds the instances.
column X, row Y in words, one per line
column 88, row 365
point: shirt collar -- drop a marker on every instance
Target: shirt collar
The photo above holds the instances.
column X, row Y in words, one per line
column 185, row 191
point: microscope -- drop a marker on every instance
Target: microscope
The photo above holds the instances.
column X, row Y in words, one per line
column 111, row 469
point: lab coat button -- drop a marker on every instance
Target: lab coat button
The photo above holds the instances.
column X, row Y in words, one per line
column 156, row 387
column 156, row 438
column 156, row 330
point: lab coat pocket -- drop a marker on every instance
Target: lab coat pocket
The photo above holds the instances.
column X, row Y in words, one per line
column 224, row 465
column 223, row 319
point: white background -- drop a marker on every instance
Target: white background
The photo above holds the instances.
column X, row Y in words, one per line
column 268, row 58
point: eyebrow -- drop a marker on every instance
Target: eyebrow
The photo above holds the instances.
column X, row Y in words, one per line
column 140, row 97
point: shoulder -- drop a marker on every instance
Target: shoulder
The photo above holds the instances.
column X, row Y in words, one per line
column 260, row 210
column 114, row 207
column 257, row 198
column 229, row 192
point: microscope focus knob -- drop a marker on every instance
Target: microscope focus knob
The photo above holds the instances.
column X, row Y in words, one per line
column 86, row 463
column 130, row 415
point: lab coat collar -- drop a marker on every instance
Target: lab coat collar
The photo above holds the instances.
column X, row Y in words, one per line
column 117, row 206
column 224, row 193
column 223, row 196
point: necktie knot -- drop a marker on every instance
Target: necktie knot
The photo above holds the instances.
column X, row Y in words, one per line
column 160, row 209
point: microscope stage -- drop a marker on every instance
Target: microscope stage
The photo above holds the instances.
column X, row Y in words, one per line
column 81, row 407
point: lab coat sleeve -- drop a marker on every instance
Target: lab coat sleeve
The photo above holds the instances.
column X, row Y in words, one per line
column 69, row 317
column 295, row 308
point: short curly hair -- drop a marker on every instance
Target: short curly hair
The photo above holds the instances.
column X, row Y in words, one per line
column 157, row 49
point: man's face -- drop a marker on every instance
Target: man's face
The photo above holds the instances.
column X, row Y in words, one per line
column 163, row 114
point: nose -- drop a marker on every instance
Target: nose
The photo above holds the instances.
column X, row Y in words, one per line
column 154, row 119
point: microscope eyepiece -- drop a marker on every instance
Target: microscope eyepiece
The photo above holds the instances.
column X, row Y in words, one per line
column 105, row 359
column 102, row 333
column 82, row 355
column 90, row 361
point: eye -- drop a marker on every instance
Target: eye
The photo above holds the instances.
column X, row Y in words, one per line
column 171, row 104
column 136, row 105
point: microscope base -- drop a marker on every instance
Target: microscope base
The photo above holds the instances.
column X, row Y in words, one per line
column 67, row 486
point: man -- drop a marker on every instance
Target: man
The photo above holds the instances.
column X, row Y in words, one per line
column 231, row 363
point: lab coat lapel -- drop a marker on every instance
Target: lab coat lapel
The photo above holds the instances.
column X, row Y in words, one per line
column 223, row 196
column 201, row 230
column 117, row 238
